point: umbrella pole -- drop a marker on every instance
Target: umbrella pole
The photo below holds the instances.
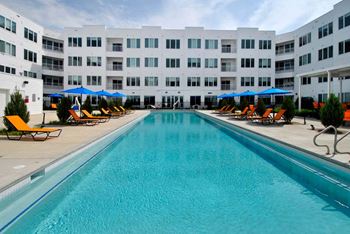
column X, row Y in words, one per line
column 81, row 99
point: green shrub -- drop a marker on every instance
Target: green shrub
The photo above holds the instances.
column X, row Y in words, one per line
column 127, row 104
column 260, row 108
column 332, row 113
column 243, row 104
column 16, row 106
column 289, row 106
column 87, row 105
column 231, row 101
column 62, row 109
column 102, row 103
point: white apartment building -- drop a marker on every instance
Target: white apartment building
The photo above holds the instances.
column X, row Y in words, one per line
column 155, row 66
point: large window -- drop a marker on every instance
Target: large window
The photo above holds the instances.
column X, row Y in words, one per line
column 7, row 48
column 264, row 63
column 172, row 62
column 74, row 80
column 9, row 70
column 344, row 21
column 75, row 61
column 211, row 63
column 265, row 44
column 151, row 62
column 194, row 62
column 133, row 62
column 30, row 56
column 247, row 81
column 344, row 46
column 247, row 62
column 52, row 45
column 7, row 24
column 305, row 59
column 133, row 43
column 93, row 80
column 193, row 81
column 285, row 48
column 173, row 44
column 74, row 42
column 211, row 44
column 151, row 81
column 247, row 43
column 93, row 42
column 325, row 53
column 306, row 80
column 132, row 81
column 264, row 81
column 306, row 39
column 93, row 61
column 194, row 43
column 29, row 74
column 210, row 100
column 134, row 100
column 210, row 81
column 30, row 35
column 325, row 30
column 172, row 81
column 151, row 42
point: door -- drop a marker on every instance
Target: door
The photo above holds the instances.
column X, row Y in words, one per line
column 195, row 100
column 169, row 101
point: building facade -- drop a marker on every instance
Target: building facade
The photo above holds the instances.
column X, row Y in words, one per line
column 191, row 66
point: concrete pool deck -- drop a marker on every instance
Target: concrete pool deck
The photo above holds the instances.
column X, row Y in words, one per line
column 296, row 134
column 19, row 159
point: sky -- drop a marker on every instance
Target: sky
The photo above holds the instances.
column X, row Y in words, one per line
column 279, row 15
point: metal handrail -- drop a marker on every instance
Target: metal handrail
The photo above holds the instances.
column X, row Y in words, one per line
column 336, row 143
column 335, row 139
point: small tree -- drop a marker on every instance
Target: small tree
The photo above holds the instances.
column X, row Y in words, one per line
column 261, row 108
column 231, row 101
column 102, row 103
column 332, row 113
column 87, row 105
column 16, row 106
column 243, row 103
column 62, row 109
column 289, row 106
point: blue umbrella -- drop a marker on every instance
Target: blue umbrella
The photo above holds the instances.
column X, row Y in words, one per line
column 117, row 94
column 274, row 91
column 103, row 93
column 56, row 95
column 227, row 95
column 81, row 90
column 246, row 93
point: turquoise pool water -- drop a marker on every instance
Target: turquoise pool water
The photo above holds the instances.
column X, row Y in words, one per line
column 178, row 173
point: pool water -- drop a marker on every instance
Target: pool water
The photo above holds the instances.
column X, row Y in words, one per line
column 178, row 173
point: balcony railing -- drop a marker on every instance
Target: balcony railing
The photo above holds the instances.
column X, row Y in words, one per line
column 48, row 86
column 284, row 51
column 225, row 87
column 226, row 49
column 285, row 86
column 115, row 67
column 284, row 69
column 115, row 86
column 53, row 48
column 52, row 67
column 228, row 68
column 118, row 48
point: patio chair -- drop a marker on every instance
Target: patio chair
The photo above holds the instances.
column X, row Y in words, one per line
column 102, row 119
column 84, row 121
column 346, row 116
column 217, row 111
column 239, row 115
column 21, row 127
column 264, row 118
column 110, row 114
column 278, row 116
column 228, row 111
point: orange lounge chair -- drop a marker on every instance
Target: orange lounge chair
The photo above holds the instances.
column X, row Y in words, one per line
column 315, row 104
column 102, row 119
column 53, row 106
column 127, row 111
column 77, row 120
column 278, row 116
column 240, row 115
column 251, row 113
column 228, row 111
column 119, row 110
column 109, row 113
column 264, row 118
column 221, row 109
column 20, row 126
column 346, row 116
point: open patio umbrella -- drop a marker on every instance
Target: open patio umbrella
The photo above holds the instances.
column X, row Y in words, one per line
column 273, row 91
column 81, row 90
column 56, row 95
column 117, row 94
column 246, row 93
column 227, row 95
column 104, row 93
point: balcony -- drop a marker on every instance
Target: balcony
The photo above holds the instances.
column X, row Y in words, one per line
column 285, row 69
column 115, row 86
column 53, row 48
column 115, row 48
column 228, row 68
column 52, row 67
column 284, row 51
column 115, row 67
column 226, row 87
column 53, row 86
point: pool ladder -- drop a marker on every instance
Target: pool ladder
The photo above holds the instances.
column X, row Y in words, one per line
column 335, row 142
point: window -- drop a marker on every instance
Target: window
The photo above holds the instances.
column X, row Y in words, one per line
column 9, row 70
column 303, row 40
column 194, row 62
column 210, row 81
column 305, row 59
column 225, row 85
column 133, row 81
column 117, row 47
column 7, row 48
column 211, row 63
column 132, row 43
column 151, row 42
column 344, row 46
column 285, row 48
column 93, row 80
column 30, row 35
column 30, row 55
column 247, row 43
column 323, row 79
column 194, row 43
column 151, row 62
column 172, row 81
column 322, row 97
column 173, row 44
column 29, row 74
column 264, row 63
column 93, row 42
column 306, row 80
column 93, row 61
column 325, row 30
column 151, row 81
column 247, row 62
column 134, row 100
column 53, row 81
column 344, row 21
column 172, row 62
column 193, row 81
column 265, row 44
column 247, row 81
column 75, row 61
column 52, row 45
column 74, row 80
column 74, row 42
column 264, row 81
column 211, row 44
column 133, row 62
column 7, row 24
column 325, row 53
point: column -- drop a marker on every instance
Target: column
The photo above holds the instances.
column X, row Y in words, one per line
column 341, row 89
column 328, row 84
column 299, row 92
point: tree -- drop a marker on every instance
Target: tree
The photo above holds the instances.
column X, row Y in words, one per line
column 289, row 106
column 243, row 103
column 261, row 108
column 332, row 113
column 87, row 105
column 62, row 109
column 16, row 106
column 102, row 103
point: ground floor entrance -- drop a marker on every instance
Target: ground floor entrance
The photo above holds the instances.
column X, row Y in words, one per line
column 169, row 101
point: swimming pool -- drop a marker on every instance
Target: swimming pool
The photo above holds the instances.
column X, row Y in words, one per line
column 179, row 172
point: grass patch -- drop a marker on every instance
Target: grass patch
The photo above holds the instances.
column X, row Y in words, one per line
column 12, row 133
